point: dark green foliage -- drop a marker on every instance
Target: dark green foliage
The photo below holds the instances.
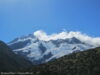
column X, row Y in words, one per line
column 82, row 63
column 10, row 62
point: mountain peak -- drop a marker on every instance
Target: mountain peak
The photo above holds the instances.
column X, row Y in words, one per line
column 38, row 45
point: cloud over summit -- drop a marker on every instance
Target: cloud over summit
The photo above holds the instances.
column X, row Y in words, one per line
column 41, row 35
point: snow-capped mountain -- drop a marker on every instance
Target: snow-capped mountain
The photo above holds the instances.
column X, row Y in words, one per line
column 40, row 48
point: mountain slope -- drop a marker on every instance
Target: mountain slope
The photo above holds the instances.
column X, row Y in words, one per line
column 9, row 61
column 41, row 51
column 82, row 63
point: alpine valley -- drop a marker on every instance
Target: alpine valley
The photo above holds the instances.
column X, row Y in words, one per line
column 65, row 53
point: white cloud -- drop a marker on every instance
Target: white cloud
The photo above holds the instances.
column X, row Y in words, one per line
column 41, row 35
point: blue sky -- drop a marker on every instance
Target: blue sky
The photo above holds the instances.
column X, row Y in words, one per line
column 22, row 17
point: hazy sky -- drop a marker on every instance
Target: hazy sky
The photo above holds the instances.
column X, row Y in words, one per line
column 21, row 17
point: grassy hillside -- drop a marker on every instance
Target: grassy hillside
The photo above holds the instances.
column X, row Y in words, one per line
column 82, row 63
column 10, row 62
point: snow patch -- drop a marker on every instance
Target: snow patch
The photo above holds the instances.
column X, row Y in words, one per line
column 41, row 35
